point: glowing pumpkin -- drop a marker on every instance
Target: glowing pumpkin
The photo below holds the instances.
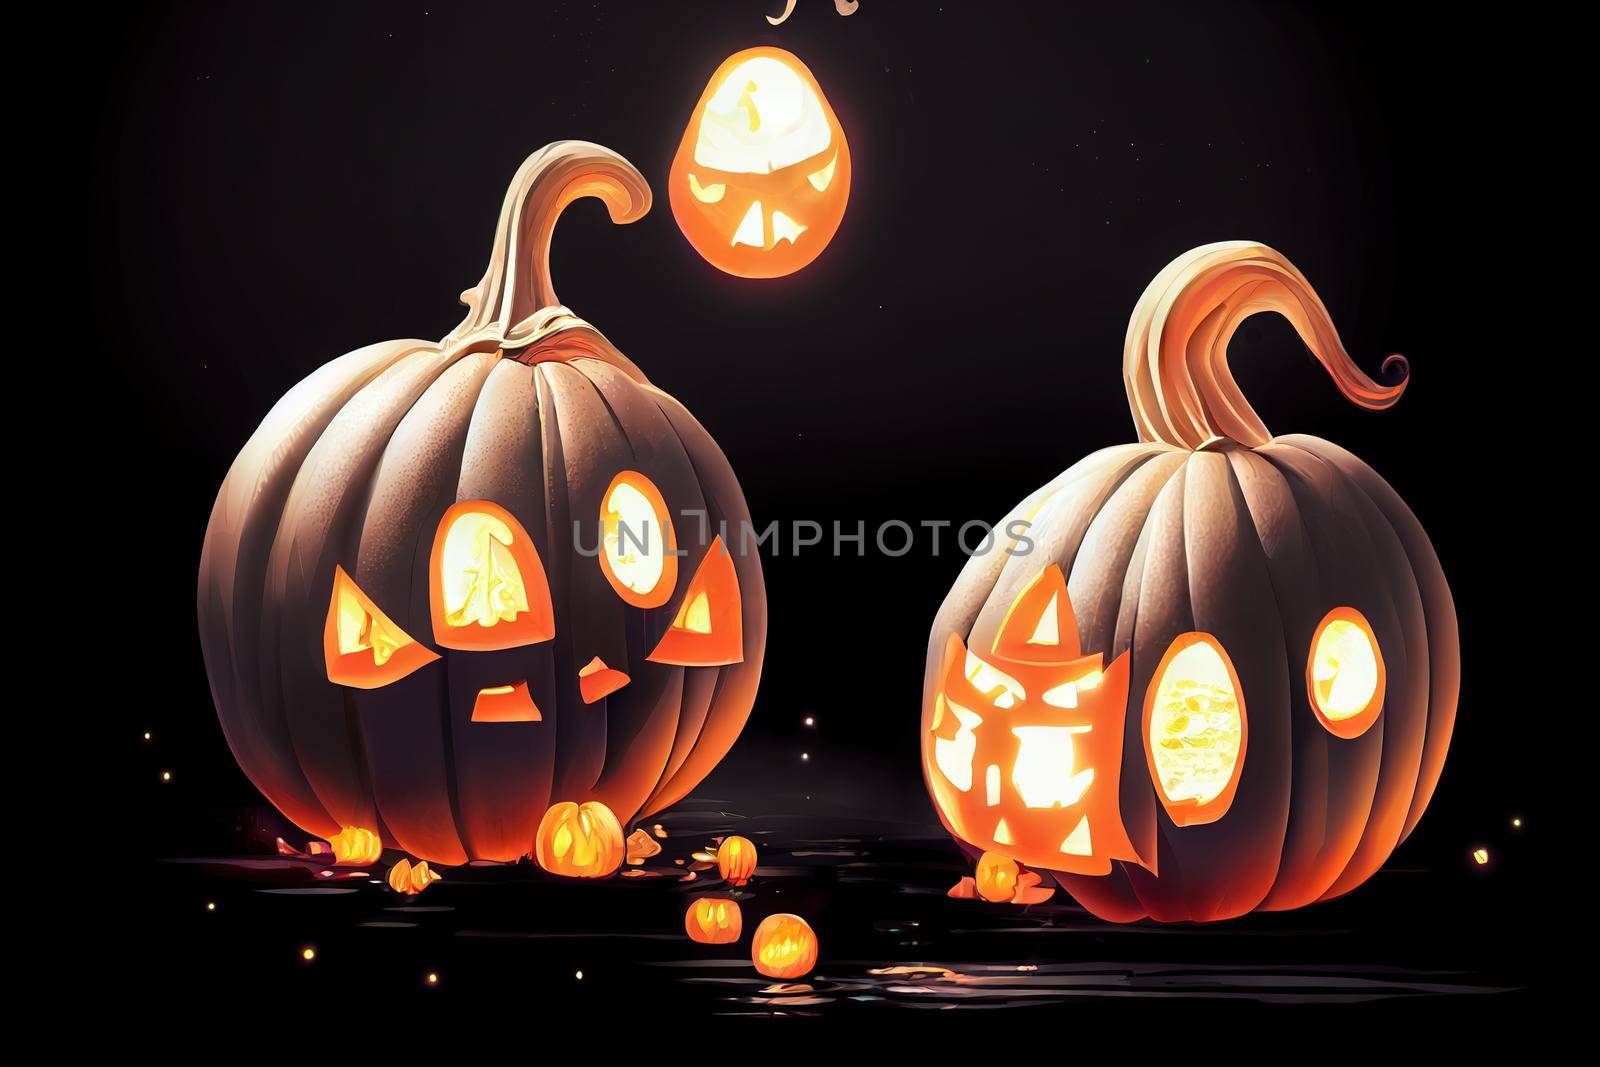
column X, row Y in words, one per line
column 580, row 840
column 355, row 847
column 1276, row 663
column 400, row 630
column 411, row 879
column 784, row 946
column 736, row 859
column 761, row 179
column 713, row 920
column 996, row 877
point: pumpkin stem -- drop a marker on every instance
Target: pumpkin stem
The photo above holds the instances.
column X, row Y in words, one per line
column 516, row 302
column 1175, row 359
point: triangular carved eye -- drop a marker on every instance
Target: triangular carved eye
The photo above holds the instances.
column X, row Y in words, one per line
column 708, row 630
column 1040, row 627
column 364, row 648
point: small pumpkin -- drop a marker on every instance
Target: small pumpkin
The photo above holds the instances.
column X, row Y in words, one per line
column 355, row 846
column 996, row 877
column 736, row 859
column 580, row 840
column 1225, row 675
column 713, row 920
column 400, row 626
column 761, row 179
column 784, row 946
column 412, row 878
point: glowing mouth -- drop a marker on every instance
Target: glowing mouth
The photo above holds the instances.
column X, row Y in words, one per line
column 505, row 703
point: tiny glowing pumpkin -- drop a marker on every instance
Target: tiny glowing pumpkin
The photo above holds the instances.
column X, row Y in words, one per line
column 713, row 920
column 784, row 946
column 1277, row 661
column 355, row 847
column 736, row 859
column 761, row 179
column 580, row 840
column 412, row 878
column 997, row 877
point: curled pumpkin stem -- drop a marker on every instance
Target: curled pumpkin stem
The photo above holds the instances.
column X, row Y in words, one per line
column 1175, row 359
column 515, row 303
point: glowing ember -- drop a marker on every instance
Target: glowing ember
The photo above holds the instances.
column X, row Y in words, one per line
column 1480, row 856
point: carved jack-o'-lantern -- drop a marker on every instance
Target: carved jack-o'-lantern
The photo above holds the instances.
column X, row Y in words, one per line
column 784, row 946
column 446, row 586
column 713, row 920
column 579, row 840
column 1225, row 676
column 736, row 859
column 761, row 179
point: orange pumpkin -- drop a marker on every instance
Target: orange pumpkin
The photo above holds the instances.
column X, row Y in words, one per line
column 713, row 920
column 580, row 840
column 736, row 859
column 1274, row 662
column 784, row 946
column 399, row 628
column 411, row 879
column 762, row 176
column 997, row 877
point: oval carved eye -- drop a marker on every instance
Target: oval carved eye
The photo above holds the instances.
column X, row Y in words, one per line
column 1194, row 729
column 1344, row 674
column 487, row 588
column 637, row 544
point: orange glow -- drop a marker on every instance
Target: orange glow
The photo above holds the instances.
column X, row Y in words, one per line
column 1195, row 729
column 411, row 879
column 355, row 847
column 596, row 681
column 997, row 877
column 784, row 946
column 761, row 179
column 505, row 703
column 1024, row 754
column 487, row 588
column 580, row 840
column 363, row 647
column 637, row 541
column 736, row 859
column 708, row 630
column 713, row 920
column 1345, row 677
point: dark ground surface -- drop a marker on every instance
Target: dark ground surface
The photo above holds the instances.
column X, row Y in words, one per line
column 891, row 941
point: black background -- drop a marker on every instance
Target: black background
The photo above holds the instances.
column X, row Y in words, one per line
column 275, row 186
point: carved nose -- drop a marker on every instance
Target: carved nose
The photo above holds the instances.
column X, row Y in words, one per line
column 597, row 681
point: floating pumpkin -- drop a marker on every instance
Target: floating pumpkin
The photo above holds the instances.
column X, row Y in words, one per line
column 403, row 616
column 1275, row 662
column 736, row 859
column 762, row 176
column 580, row 840
column 784, row 946
column 713, row 920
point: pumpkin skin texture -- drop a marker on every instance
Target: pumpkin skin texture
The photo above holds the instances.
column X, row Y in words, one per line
column 526, row 406
column 1211, row 525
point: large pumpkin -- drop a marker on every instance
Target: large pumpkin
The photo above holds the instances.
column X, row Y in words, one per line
column 403, row 615
column 1219, row 671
